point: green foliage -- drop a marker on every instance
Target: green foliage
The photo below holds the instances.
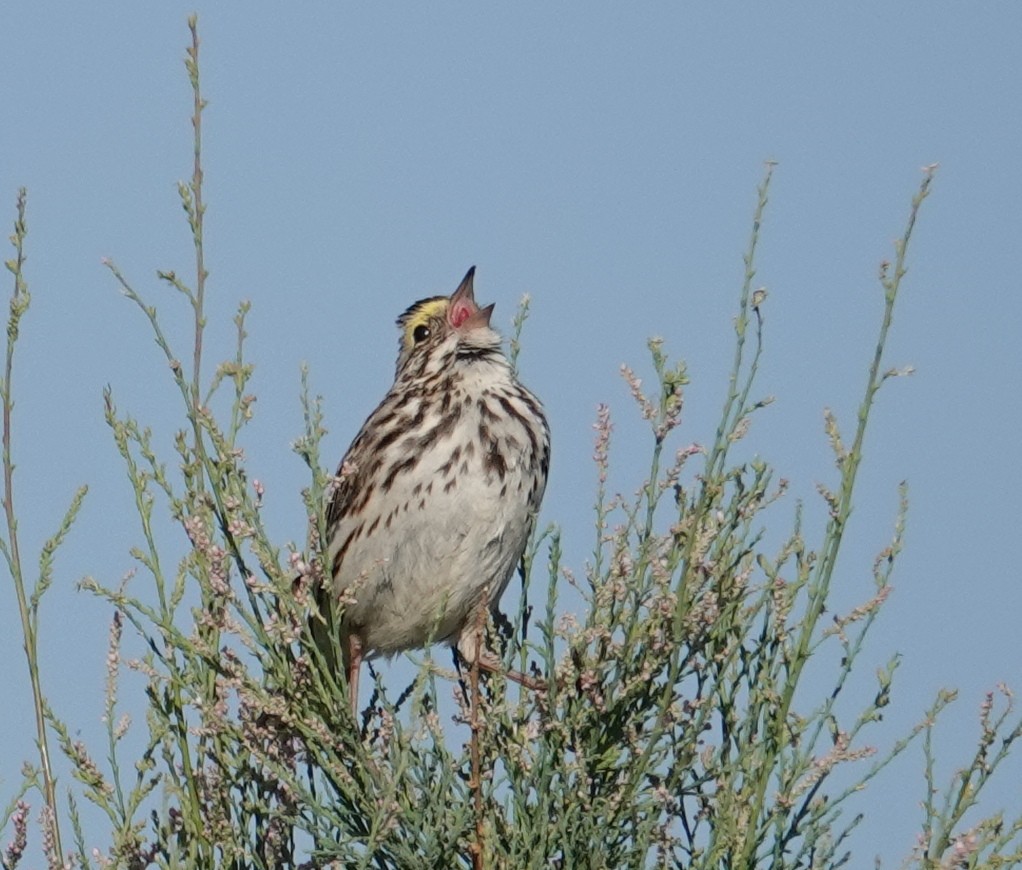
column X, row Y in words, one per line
column 674, row 728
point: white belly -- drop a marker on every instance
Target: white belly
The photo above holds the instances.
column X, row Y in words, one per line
column 434, row 543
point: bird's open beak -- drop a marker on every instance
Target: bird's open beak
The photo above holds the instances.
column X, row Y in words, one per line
column 463, row 312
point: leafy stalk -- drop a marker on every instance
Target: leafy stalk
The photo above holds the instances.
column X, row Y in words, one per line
column 28, row 609
column 840, row 507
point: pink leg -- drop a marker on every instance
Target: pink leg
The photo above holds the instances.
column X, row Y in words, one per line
column 489, row 662
column 354, row 667
column 470, row 647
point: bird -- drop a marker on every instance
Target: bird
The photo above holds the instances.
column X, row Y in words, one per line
column 434, row 502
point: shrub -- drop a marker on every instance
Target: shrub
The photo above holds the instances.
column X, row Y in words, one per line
column 676, row 728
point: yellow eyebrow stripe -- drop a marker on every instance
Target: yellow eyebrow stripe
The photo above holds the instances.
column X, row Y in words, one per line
column 427, row 310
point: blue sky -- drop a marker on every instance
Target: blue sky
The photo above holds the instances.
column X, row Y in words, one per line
column 599, row 157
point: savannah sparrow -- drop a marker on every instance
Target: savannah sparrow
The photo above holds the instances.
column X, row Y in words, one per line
column 435, row 498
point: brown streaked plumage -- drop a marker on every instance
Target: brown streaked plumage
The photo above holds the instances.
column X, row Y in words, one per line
column 438, row 493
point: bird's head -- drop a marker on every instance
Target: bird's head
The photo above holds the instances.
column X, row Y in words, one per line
column 444, row 328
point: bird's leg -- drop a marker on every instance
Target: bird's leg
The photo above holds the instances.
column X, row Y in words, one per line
column 354, row 667
column 472, row 649
column 489, row 662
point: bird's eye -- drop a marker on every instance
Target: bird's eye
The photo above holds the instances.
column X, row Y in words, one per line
column 420, row 333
